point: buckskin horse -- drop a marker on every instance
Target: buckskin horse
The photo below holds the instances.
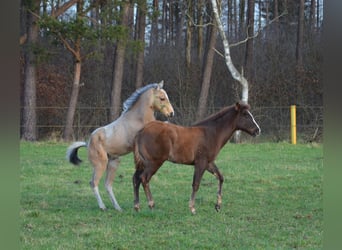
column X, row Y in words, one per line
column 197, row 145
column 108, row 143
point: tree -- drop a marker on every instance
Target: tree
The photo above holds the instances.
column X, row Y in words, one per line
column 189, row 33
column 30, row 40
column 202, row 102
column 141, row 38
column 76, row 51
column 249, row 44
column 75, row 33
column 154, row 38
column 300, row 36
column 29, row 111
column 234, row 72
column 119, row 63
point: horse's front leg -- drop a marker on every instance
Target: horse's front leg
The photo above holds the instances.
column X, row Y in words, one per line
column 216, row 172
column 198, row 174
column 136, row 185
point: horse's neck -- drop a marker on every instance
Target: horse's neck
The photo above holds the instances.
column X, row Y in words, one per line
column 225, row 128
column 141, row 112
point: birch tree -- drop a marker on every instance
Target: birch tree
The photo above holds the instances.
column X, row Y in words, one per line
column 234, row 72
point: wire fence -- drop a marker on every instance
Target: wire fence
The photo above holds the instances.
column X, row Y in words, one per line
column 274, row 121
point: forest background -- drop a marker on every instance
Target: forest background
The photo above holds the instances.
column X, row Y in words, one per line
column 81, row 59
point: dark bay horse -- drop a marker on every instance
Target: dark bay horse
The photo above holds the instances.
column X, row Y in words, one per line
column 197, row 145
column 108, row 143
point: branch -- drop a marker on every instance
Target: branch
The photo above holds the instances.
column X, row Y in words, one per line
column 68, row 46
column 60, row 10
column 197, row 25
column 257, row 33
column 54, row 13
column 251, row 37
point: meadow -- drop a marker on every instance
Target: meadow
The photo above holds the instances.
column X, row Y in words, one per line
column 272, row 199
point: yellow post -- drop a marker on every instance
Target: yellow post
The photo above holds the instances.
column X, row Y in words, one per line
column 293, row 125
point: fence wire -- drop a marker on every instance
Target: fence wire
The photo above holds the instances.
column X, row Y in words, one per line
column 274, row 121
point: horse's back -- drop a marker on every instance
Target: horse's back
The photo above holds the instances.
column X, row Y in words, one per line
column 167, row 141
column 113, row 138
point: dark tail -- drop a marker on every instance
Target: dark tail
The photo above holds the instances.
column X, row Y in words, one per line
column 71, row 154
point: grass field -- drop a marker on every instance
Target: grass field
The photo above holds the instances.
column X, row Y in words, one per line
column 272, row 199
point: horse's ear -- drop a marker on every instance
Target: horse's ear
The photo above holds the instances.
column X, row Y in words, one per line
column 237, row 106
column 161, row 84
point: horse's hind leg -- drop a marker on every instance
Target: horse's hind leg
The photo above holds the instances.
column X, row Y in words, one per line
column 136, row 184
column 145, row 179
column 98, row 159
column 112, row 166
column 94, row 184
column 216, row 172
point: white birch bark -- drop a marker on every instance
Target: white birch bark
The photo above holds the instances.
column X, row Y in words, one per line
column 234, row 72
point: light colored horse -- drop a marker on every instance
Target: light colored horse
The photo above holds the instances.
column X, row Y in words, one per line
column 108, row 143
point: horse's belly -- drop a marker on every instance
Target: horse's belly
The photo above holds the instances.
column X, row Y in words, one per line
column 181, row 156
column 118, row 150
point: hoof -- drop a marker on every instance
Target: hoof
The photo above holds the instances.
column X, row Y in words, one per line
column 151, row 206
column 103, row 209
column 193, row 211
column 218, row 208
column 137, row 208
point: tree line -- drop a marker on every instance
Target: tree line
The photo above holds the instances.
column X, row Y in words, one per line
column 95, row 53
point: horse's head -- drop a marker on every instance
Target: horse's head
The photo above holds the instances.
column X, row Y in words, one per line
column 246, row 121
column 161, row 101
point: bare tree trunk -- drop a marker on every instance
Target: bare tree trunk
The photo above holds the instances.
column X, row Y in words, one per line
column 317, row 15
column 76, row 51
column 234, row 72
column 200, row 30
column 141, row 38
column 68, row 130
column 249, row 44
column 154, row 29
column 242, row 5
column 203, row 99
column 312, row 14
column 119, row 68
column 300, row 36
column 29, row 112
column 230, row 17
column 179, row 19
column 164, row 21
column 276, row 24
column 188, row 34
column 236, row 22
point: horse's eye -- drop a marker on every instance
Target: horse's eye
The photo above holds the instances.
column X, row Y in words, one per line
column 162, row 99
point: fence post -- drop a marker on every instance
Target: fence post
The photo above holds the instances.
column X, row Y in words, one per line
column 293, row 125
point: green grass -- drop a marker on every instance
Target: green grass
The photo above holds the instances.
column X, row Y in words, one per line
column 272, row 199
